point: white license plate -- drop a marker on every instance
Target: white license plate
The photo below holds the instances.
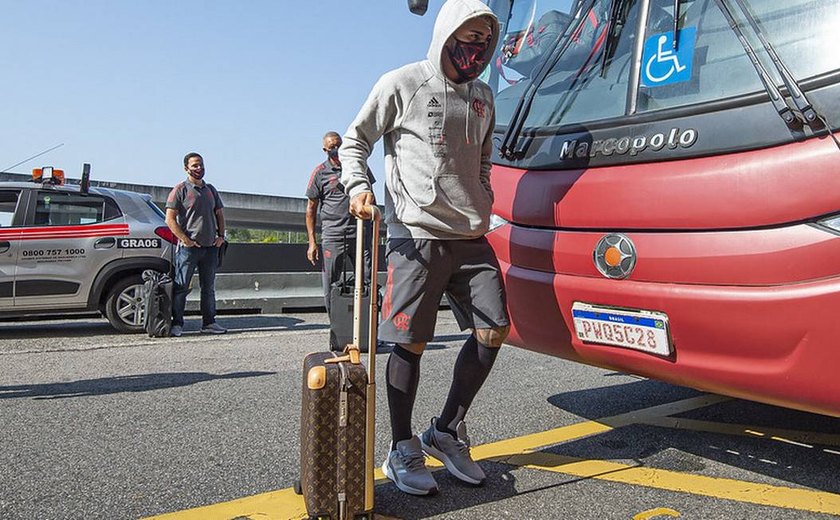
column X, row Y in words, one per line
column 636, row 329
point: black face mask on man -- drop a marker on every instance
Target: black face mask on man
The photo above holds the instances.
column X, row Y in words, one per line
column 468, row 58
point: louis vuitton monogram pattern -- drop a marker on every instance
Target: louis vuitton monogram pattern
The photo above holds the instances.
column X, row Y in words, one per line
column 332, row 457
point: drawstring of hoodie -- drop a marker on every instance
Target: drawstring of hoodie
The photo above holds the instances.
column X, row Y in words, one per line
column 445, row 91
column 469, row 109
column 469, row 100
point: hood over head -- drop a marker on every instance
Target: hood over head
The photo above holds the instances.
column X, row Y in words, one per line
column 452, row 15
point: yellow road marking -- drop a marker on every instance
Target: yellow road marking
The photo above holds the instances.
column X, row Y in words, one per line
column 659, row 511
column 284, row 504
column 728, row 489
column 535, row 441
column 795, row 437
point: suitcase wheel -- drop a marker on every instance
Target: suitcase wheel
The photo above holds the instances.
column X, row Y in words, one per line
column 297, row 488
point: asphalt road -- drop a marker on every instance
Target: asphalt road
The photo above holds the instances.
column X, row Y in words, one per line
column 99, row 425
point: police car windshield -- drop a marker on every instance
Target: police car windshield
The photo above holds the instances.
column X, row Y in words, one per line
column 647, row 72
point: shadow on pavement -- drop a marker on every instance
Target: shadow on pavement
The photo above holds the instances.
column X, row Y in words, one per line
column 707, row 438
column 116, row 385
column 92, row 328
column 259, row 322
column 454, row 495
column 639, row 445
column 67, row 329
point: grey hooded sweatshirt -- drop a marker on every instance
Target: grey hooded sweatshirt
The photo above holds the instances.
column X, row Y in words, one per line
column 437, row 139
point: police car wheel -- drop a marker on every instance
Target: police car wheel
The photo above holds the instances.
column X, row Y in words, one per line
column 125, row 305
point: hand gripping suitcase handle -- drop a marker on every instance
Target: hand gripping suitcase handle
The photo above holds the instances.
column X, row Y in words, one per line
column 352, row 351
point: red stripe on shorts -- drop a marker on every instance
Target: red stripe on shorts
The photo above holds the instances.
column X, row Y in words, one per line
column 386, row 301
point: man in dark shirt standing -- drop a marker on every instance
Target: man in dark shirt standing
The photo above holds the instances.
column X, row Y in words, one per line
column 194, row 213
column 338, row 227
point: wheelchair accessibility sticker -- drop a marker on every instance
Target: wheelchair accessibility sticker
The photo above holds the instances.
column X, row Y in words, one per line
column 661, row 64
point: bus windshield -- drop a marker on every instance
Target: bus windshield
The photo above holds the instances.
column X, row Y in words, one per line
column 593, row 78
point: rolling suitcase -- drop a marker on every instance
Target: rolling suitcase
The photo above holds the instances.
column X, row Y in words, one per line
column 337, row 415
column 157, row 290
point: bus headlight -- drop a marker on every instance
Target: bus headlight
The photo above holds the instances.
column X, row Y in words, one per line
column 831, row 223
column 496, row 222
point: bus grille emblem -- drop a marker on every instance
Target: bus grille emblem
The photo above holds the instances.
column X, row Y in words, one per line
column 615, row 256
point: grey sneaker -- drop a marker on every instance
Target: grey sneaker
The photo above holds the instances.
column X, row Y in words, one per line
column 176, row 331
column 213, row 328
column 454, row 453
column 407, row 468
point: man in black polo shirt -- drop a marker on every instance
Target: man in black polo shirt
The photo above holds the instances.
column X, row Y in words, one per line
column 326, row 191
column 194, row 213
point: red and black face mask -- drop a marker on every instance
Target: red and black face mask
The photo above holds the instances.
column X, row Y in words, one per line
column 468, row 58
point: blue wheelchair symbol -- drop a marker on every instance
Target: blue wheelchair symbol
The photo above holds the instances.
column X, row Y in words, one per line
column 661, row 64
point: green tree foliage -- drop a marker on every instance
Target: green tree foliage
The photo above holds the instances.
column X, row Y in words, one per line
column 262, row 236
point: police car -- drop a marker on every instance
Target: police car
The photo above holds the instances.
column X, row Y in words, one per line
column 68, row 249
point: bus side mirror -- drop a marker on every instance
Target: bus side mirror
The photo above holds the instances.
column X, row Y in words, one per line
column 418, row 7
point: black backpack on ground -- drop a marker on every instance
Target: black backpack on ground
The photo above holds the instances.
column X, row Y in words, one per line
column 157, row 289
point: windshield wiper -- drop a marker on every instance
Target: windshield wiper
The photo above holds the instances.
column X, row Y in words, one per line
column 508, row 149
column 779, row 103
column 802, row 104
column 676, row 22
column 618, row 17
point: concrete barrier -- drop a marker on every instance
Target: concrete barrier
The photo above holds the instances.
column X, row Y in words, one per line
column 262, row 292
column 265, row 292
column 267, row 278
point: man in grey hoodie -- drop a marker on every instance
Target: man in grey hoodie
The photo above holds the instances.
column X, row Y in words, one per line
column 436, row 120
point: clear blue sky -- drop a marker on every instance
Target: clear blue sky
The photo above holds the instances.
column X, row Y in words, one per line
column 130, row 86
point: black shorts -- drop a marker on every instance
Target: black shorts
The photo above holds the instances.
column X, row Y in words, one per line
column 420, row 272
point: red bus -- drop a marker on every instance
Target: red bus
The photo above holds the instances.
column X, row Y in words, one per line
column 668, row 190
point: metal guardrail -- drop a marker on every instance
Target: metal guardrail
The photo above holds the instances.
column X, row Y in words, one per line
column 267, row 278
column 265, row 292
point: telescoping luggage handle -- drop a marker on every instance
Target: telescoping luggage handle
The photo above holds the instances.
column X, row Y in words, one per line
column 352, row 351
column 372, row 324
